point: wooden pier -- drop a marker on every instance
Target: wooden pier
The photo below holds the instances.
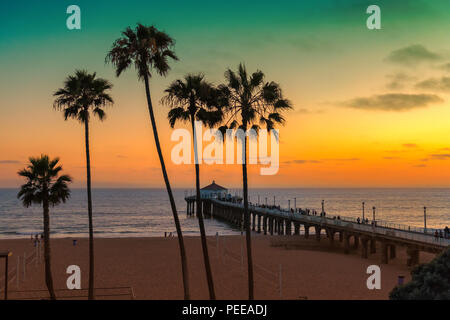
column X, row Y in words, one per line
column 353, row 234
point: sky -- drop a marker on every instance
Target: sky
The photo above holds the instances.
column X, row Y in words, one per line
column 371, row 107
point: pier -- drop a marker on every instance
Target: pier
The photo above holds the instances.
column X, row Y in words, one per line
column 352, row 234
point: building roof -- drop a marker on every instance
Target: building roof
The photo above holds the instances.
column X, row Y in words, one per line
column 214, row 187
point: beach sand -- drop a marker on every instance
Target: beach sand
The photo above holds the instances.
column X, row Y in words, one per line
column 151, row 266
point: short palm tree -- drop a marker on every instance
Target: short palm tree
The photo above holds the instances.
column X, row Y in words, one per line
column 251, row 102
column 44, row 186
column 149, row 50
column 82, row 94
column 193, row 100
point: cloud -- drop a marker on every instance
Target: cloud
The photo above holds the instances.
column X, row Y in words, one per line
column 398, row 80
column 412, row 55
column 344, row 159
column 302, row 111
column 420, row 166
column 301, row 161
column 445, row 67
column 9, row 162
column 393, row 102
column 440, row 156
column 437, row 156
column 320, row 161
column 391, row 158
column 307, row 111
column 402, row 151
column 435, row 84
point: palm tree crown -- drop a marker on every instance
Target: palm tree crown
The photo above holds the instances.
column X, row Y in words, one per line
column 145, row 47
column 255, row 101
column 42, row 181
column 192, row 99
column 82, row 93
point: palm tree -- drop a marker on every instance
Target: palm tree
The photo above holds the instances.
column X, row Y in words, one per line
column 149, row 49
column 81, row 95
column 251, row 102
column 44, row 186
column 190, row 101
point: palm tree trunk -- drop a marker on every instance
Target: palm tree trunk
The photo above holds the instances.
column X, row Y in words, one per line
column 184, row 267
column 47, row 260
column 209, row 277
column 247, row 223
column 91, row 227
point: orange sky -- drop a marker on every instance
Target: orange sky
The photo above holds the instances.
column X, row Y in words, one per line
column 336, row 147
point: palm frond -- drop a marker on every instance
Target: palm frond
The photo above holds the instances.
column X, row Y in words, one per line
column 81, row 94
column 146, row 48
column 193, row 98
column 42, row 182
column 256, row 102
column 178, row 114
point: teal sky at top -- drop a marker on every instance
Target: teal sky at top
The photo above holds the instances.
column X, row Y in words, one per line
column 210, row 35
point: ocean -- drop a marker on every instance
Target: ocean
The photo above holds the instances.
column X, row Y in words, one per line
column 146, row 212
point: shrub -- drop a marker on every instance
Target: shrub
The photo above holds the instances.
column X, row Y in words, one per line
column 429, row 281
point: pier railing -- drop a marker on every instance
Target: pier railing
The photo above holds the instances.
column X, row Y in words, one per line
column 378, row 227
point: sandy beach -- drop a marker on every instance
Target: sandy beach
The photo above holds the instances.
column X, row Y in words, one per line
column 151, row 267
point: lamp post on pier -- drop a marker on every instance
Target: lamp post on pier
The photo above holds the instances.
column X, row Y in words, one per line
column 373, row 214
column 274, row 201
column 425, row 219
column 323, row 206
column 289, row 205
column 363, row 210
column 295, row 204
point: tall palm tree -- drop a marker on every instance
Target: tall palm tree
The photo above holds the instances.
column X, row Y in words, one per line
column 192, row 100
column 251, row 102
column 44, row 186
column 149, row 50
column 81, row 95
